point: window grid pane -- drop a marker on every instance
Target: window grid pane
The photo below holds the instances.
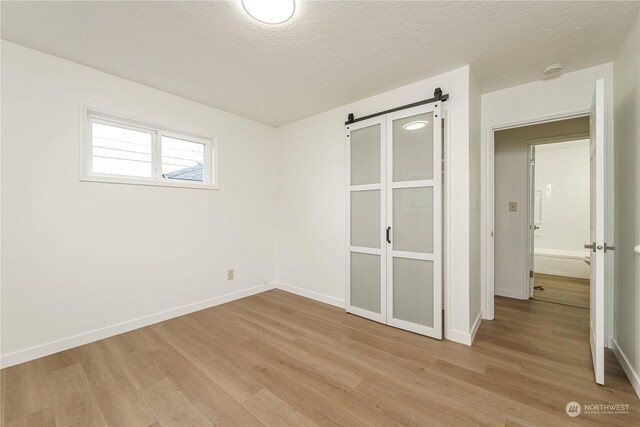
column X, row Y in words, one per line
column 120, row 151
column 182, row 159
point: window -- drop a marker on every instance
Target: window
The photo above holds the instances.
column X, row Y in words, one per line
column 125, row 151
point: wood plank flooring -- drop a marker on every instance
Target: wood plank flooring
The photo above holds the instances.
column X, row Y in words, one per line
column 562, row 290
column 278, row 359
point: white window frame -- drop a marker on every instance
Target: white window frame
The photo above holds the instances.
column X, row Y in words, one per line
column 91, row 115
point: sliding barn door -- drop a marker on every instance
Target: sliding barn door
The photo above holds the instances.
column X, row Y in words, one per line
column 366, row 210
column 414, row 215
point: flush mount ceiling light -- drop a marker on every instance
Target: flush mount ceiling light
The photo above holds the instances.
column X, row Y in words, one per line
column 270, row 11
column 415, row 125
column 553, row 68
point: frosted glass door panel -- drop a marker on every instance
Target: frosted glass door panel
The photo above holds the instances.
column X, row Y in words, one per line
column 413, row 291
column 365, row 155
column 365, row 281
column 413, row 148
column 365, row 219
column 413, row 219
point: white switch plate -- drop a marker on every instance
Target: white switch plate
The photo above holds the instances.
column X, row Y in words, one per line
column 230, row 274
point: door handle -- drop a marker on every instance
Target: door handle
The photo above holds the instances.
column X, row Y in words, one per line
column 388, row 234
column 535, row 227
column 595, row 247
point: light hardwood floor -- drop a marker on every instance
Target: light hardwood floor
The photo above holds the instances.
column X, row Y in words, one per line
column 280, row 359
column 562, row 290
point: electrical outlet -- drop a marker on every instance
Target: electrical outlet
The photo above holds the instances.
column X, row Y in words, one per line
column 265, row 280
column 513, row 207
column 230, row 274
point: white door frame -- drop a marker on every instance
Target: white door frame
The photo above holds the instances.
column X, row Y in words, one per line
column 529, row 191
column 489, row 191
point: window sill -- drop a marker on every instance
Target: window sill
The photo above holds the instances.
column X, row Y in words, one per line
column 148, row 182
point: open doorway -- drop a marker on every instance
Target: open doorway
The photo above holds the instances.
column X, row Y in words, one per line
column 559, row 180
column 517, row 215
column 510, row 244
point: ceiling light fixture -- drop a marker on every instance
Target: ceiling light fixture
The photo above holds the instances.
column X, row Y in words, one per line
column 270, row 11
column 553, row 68
column 415, row 125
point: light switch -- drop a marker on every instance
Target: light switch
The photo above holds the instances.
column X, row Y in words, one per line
column 513, row 206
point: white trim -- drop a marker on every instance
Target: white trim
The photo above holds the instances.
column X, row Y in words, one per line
column 146, row 182
column 413, row 184
column 529, row 231
column 476, row 326
column 317, row 296
column 510, row 293
column 363, row 250
column 52, row 347
column 488, row 191
column 633, row 376
column 429, row 331
column 447, row 256
column 464, row 337
column 413, row 255
column 458, row 336
column 365, row 187
column 88, row 114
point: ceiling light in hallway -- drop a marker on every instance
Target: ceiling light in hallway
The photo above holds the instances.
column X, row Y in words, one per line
column 270, row 11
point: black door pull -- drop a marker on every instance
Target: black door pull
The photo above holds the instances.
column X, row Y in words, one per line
column 388, row 234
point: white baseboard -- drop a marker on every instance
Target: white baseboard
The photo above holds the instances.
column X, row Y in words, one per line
column 52, row 347
column 452, row 335
column 458, row 336
column 464, row 337
column 476, row 325
column 509, row 293
column 633, row 376
column 337, row 302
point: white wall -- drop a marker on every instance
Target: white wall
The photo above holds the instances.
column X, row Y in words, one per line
column 626, row 68
column 311, row 237
column 79, row 257
column 540, row 100
column 475, row 269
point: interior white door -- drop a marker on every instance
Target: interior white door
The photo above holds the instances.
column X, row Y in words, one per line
column 366, row 210
column 532, row 219
column 414, row 219
column 597, row 226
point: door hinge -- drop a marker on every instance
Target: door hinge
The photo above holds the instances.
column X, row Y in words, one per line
column 530, row 274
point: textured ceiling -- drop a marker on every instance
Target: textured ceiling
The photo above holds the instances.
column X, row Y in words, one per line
column 330, row 54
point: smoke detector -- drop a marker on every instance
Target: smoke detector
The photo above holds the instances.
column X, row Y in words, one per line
column 553, row 68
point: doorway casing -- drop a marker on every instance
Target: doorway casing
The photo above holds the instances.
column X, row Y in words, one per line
column 488, row 195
